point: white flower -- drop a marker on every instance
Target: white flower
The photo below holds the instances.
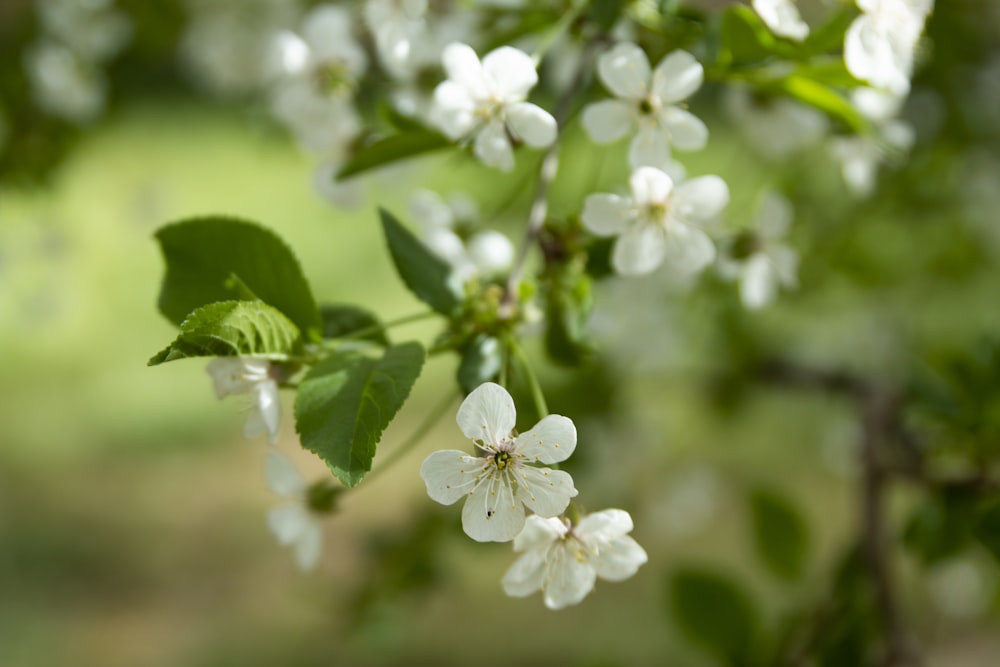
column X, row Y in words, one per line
column 782, row 17
column 880, row 44
column 484, row 102
column 294, row 524
column 93, row 29
column 564, row 560
column 244, row 375
column 774, row 127
column 762, row 262
column 499, row 484
column 649, row 100
column 398, row 25
column 64, row 85
column 658, row 222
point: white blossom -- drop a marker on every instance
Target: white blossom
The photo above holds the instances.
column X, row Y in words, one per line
column 564, row 560
column 93, row 29
column 762, row 262
column 783, row 18
column 63, row 84
column 648, row 100
column 246, row 375
column 775, row 127
column 504, row 479
column 881, row 43
column 861, row 156
column 398, row 26
column 658, row 222
column 484, row 102
column 294, row 524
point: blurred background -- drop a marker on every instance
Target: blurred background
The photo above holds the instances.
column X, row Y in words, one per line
column 132, row 512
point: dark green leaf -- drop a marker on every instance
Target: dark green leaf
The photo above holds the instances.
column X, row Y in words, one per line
column 480, row 363
column 715, row 613
column 345, row 403
column 391, row 149
column 780, row 533
column 341, row 321
column 230, row 328
column 423, row 272
column 941, row 526
column 216, row 259
column 987, row 528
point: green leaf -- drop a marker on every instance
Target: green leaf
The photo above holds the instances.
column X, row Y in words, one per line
column 423, row 272
column 567, row 311
column 830, row 36
column 824, row 98
column 480, row 363
column 341, row 321
column 942, row 525
column 744, row 38
column 217, row 259
column 345, row 403
column 715, row 613
column 780, row 533
column 987, row 529
column 230, row 328
column 391, row 149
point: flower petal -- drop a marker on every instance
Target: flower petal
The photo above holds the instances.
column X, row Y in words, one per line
column 308, row 546
column 569, row 578
column 624, row 70
column 539, row 533
column 686, row 131
column 462, row 66
column 282, row 477
column 453, row 111
column 606, row 214
column 531, row 124
column 650, row 187
column 546, row 492
column 552, row 440
column 700, row 198
column 785, row 262
column 774, row 216
column 526, row 575
column 639, row 250
column 487, row 414
column 287, row 522
column 490, row 252
column 619, row 559
column 758, row 284
column 603, row 526
column 650, row 147
column 687, row 249
column 492, row 513
column 607, row 121
column 270, row 408
column 677, row 77
column 509, row 73
column 449, row 475
column 492, row 147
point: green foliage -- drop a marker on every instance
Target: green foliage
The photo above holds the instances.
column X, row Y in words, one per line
column 949, row 521
column 233, row 328
column 715, row 613
column 425, row 274
column 217, row 258
column 567, row 312
column 345, row 403
column 481, row 362
column 780, row 533
column 344, row 321
column 987, row 528
column 393, row 148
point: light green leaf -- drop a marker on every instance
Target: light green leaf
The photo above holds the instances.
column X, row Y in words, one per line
column 825, row 99
column 715, row 613
column 391, row 149
column 345, row 403
column 230, row 328
column 780, row 533
column 213, row 259
column 744, row 38
column 423, row 272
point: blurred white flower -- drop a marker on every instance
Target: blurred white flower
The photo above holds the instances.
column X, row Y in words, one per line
column 397, row 26
column 880, row 44
column 245, row 375
column 93, row 29
column 484, row 102
column 658, row 222
column 647, row 100
column 774, row 127
column 499, row 484
column 564, row 560
column 962, row 587
column 64, row 85
column 294, row 524
column 783, row 18
column 758, row 258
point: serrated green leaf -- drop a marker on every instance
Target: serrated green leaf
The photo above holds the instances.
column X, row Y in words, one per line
column 480, row 363
column 423, row 272
column 345, row 403
column 714, row 613
column 203, row 255
column 341, row 321
column 231, row 328
column 391, row 149
column 780, row 533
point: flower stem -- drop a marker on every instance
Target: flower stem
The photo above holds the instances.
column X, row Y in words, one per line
column 533, row 385
column 375, row 328
column 415, row 437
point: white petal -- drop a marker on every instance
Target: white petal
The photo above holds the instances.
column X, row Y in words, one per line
column 774, row 216
column 782, row 17
column 552, row 440
column 526, row 575
column 449, row 475
column 625, row 71
column 510, row 73
column 650, row 147
column 619, row 559
column 287, row 522
column 604, row 526
column 650, row 187
column 606, row 214
column 270, row 407
column 531, row 124
column 758, row 284
column 487, row 414
column 687, row 249
column 446, row 244
column 607, row 121
column 308, row 546
column 282, row 477
column 462, row 66
column 326, row 23
column 546, row 492
column 492, row 513
column 569, row 578
column 254, row 425
column 686, row 131
column 639, row 250
column 677, row 77
column 786, row 264
column 700, row 198
column 539, row 533
column 871, row 55
column 492, row 147
column 453, row 111
column 430, row 210
column 491, row 252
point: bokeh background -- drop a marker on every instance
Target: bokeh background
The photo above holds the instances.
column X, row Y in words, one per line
column 132, row 512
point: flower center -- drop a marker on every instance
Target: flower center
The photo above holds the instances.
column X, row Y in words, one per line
column 332, row 78
column 649, row 106
column 502, row 460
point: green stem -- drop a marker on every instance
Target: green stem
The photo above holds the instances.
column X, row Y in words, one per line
column 415, row 437
column 375, row 328
column 533, row 385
